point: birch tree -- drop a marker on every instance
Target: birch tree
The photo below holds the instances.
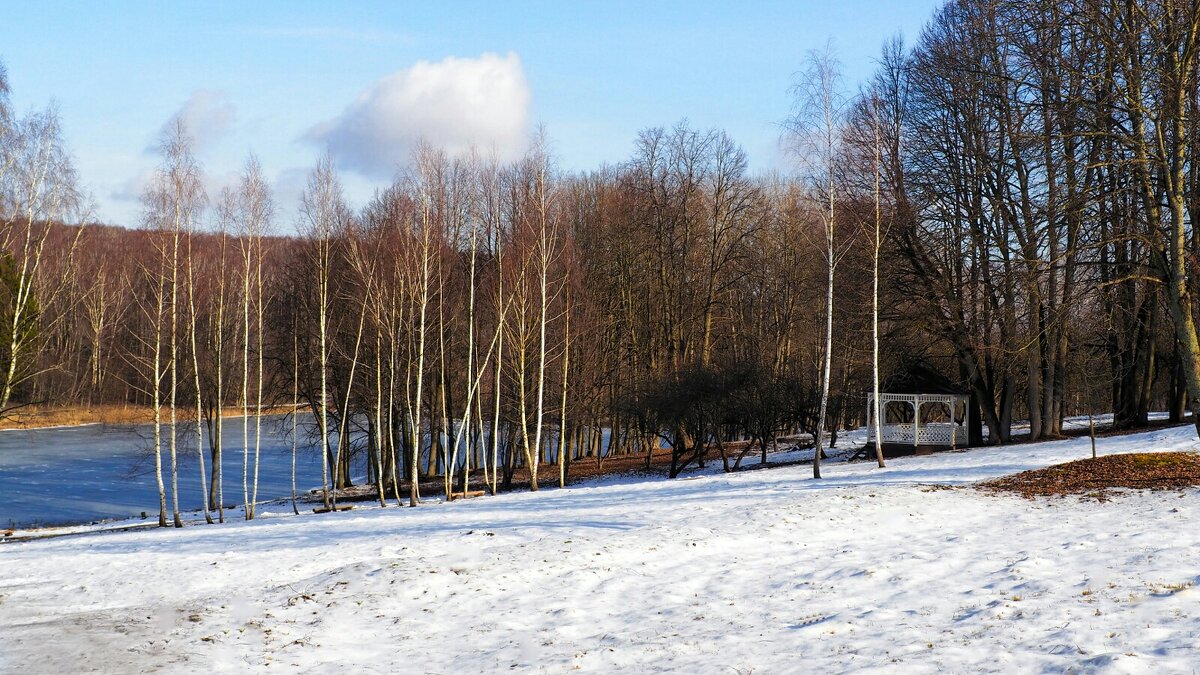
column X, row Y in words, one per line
column 174, row 200
column 37, row 191
column 545, row 253
column 255, row 211
column 817, row 125
column 322, row 212
column 227, row 214
column 868, row 142
column 193, row 319
column 422, row 274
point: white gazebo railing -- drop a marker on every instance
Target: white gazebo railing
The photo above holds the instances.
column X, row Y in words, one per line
column 920, row 419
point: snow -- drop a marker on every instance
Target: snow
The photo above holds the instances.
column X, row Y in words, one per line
column 758, row 571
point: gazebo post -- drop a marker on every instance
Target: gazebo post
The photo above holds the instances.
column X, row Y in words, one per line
column 916, row 422
column 954, row 424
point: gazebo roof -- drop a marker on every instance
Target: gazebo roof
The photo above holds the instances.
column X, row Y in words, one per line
column 919, row 378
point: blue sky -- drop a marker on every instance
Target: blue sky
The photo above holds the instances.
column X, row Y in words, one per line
column 281, row 78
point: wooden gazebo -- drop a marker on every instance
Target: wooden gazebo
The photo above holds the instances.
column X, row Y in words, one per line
column 922, row 410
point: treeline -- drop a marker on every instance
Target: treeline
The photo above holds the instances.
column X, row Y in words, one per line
column 1041, row 159
column 1015, row 193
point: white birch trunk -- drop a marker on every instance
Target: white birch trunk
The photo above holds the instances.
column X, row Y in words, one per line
column 562, row 419
column 875, row 291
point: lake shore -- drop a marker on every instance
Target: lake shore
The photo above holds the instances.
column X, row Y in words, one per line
column 56, row 417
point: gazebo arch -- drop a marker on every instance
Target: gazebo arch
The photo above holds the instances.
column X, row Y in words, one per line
column 922, row 412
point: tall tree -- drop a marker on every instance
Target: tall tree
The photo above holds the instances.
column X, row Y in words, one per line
column 255, row 212
column 322, row 214
column 817, row 124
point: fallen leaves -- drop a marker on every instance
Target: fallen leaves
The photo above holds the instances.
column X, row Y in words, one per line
column 1094, row 477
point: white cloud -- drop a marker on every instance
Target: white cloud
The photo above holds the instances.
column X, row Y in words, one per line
column 132, row 188
column 453, row 104
column 208, row 115
column 288, row 187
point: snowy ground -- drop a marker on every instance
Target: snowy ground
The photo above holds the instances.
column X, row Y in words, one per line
column 759, row 571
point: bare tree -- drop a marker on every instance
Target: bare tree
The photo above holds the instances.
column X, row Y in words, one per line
column 873, row 108
column 37, row 192
column 322, row 212
column 295, row 410
column 254, row 214
column 227, row 214
column 545, row 254
column 422, row 274
column 563, row 451
column 817, row 125
column 173, row 202
column 198, row 392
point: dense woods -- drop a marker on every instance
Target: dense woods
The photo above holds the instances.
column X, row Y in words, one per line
column 1017, row 188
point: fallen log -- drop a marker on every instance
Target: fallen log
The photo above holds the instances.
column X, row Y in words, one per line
column 466, row 495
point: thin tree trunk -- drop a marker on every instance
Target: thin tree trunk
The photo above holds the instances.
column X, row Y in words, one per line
column 379, row 419
column 258, row 397
column 196, row 372
column 825, row 369
column 295, row 410
column 875, row 294
column 563, row 459
column 175, row 370
column 156, row 385
column 247, row 505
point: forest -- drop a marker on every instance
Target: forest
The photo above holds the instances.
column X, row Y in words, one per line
column 1010, row 199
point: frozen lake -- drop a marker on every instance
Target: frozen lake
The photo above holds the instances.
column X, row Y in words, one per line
column 79, row 474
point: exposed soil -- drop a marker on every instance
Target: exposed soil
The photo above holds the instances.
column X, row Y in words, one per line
column 1094, row 477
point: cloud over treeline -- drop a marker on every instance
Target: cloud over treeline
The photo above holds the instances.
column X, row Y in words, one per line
column 208, row 116
column 453, row 104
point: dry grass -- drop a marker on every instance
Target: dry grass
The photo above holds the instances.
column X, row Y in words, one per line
column 38, row 417
column 1094, row 477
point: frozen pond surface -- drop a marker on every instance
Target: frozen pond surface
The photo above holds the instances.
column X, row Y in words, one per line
column 79, row 474
column 73, row 475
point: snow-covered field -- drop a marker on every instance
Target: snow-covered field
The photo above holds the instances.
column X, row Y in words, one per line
column 760, row 571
